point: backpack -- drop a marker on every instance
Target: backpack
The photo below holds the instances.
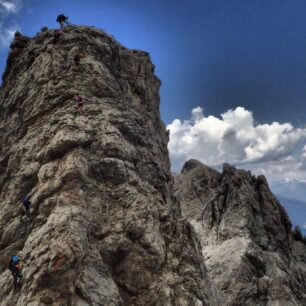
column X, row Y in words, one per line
column 15, row 259
column 26, row 201
column 26, row 198
column 14, row 263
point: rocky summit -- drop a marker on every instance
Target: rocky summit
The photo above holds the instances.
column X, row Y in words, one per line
column 81, row 136
column 104, row 227
column 250, row 252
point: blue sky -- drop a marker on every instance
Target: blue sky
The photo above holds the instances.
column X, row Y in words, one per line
column 209, row 53
column 238, row 66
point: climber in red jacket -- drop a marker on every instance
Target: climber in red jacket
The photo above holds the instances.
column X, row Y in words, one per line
column 77, row 59
column 78, row 103
column 57, row 35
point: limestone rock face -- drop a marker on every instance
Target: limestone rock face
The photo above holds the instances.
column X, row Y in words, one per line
column 250, row 252
column 105, row 227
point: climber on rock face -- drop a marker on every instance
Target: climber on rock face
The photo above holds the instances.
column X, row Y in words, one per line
column 78, row 103
column 62, row 20
column 77, row 59
column 25, row 206
column 15, row 267
column 57, row 35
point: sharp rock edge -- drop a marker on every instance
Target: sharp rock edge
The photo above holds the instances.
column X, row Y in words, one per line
column 250, row 252
column 106, row 229
column 107, row 226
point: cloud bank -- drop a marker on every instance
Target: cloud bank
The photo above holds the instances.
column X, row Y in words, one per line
column 235, row 138
column 10, row 6
column 8, row 27
column 7, row 34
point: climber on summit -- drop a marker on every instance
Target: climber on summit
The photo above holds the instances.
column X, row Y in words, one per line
column 77, row 59
column 25, row 207
column 15, row 266
column 62, row 20
column 57, row 35
column 78, row 103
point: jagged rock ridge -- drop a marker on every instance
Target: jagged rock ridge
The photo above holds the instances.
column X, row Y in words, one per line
column 249, row 249
column 106, row 229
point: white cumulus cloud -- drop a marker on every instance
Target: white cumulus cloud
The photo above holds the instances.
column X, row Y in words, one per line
column 302, row 164
column 233, row 138
column 7, row 34
column 8, row 26
column 10, row 6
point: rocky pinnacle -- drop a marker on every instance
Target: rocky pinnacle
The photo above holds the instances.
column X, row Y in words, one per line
column 109, row 224
column 105, row 227
column 250, row 252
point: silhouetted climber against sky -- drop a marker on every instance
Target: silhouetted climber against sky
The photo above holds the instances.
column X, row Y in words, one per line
column 25, row 207
column 77, row 59
column 62, row 20
column 57, row 35
column 15, row 266
column 78, row 103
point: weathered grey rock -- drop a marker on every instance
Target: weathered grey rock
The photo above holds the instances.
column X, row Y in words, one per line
column 249, row 249
column 106, row 229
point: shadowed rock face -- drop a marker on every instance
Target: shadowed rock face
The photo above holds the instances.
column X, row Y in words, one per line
column 249, row 249
column 105, row 229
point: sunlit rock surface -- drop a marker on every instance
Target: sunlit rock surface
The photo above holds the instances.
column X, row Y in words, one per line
column 106, row 229
column 249, row 249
